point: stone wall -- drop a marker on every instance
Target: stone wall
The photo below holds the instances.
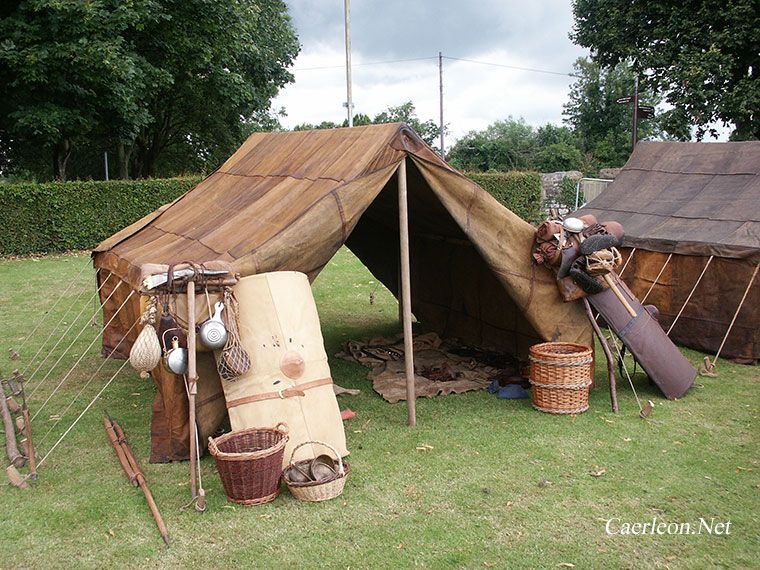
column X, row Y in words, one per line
column 551, row 186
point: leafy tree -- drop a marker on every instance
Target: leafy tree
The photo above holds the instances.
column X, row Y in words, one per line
column 558, row 157
column 428, row 130
column 702, row 54
column 601, row 125
column 65, row 69
column 503, row 146
column 405, row 113
column 322, row 125
column 552, row 134
column 170, row 85
column 360, row 119
column 226, row 60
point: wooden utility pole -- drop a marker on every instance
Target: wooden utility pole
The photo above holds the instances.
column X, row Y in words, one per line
column 440, row 89
column 349, row 102
column 639, row 111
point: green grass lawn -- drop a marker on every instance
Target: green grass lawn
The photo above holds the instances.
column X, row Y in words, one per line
column 500, row 485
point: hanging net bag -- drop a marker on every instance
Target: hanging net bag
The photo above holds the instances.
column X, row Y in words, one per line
column 234, row 360
column 146, row 351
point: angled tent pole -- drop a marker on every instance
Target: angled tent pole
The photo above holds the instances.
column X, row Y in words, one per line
column 656, row 279
column 690, row 294
column 406, row 292
column 736, row 314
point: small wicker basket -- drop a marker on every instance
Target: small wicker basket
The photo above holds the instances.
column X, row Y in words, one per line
column 560, row 377
column 316, row 491
column 249, row 462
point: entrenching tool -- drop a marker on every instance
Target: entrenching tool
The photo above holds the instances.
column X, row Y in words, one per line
column 16, row 384
column 133, row 470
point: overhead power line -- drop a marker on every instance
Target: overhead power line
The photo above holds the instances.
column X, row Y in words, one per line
column 492, row 64
column 367, row 63
column 509, row 66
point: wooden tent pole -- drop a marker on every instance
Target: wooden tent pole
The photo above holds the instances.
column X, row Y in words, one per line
column 192, row 382
column 406, row 292
column 607, row 355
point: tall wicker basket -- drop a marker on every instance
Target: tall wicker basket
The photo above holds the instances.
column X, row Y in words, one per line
column 560, row 376
column 249, row 462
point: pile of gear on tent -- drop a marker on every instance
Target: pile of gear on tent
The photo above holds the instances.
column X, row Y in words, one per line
column 691, row 213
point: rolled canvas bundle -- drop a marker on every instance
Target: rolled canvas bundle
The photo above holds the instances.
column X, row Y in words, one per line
column 289, row 380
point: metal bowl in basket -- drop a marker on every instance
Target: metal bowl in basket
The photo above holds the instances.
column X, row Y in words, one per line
column 249, row 462
column 320, row 490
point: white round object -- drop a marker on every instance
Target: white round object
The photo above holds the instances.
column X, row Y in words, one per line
column 573, row 225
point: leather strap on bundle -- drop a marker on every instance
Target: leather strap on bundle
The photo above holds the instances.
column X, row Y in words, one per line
column 297, row 390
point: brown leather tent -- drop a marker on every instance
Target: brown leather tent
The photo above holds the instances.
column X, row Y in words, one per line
column 691, row 213
column 290, row 200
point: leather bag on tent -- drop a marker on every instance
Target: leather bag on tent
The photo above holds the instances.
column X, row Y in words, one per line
column 289, row 379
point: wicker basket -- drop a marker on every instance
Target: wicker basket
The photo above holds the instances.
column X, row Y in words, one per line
column 316, row 491
column 560, row 376
column 249, row 462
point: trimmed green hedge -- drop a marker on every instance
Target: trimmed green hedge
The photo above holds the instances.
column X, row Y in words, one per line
column 518, row 191
column 61, row 216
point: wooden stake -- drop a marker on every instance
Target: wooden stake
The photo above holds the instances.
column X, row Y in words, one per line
column 192, row 383
column 406, row 293
column 16, row 459
column 15, row 478
column 12, row 405
column 607, row 354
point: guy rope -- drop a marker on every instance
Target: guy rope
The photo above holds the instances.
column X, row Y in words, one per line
column 19, row 378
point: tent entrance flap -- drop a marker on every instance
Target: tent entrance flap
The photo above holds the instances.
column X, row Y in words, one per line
column 454, row 291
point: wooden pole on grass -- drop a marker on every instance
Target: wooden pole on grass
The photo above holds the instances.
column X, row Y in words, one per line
column 15, row 457
column 406, row 292
column 607, row 355
column 192, row 384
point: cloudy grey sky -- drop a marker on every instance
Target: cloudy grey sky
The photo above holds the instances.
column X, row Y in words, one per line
column 497, row 37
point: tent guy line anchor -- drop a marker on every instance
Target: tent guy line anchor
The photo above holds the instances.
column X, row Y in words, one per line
column 710, row 367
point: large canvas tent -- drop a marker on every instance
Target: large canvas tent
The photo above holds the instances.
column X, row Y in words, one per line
column 691, row 213
column 289, row 201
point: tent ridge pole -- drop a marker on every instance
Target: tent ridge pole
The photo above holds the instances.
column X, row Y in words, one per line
column 406, row 294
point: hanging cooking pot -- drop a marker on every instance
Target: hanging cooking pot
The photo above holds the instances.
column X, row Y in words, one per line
column 175, row 359
column 212, row 332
